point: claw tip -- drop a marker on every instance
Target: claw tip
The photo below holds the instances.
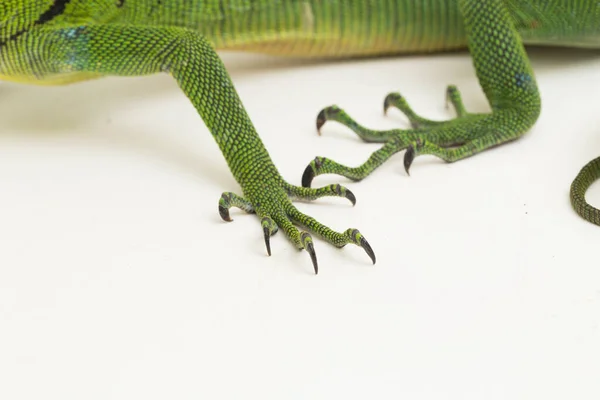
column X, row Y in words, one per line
column 307, row 176
column 409, row 156
column 224, row 213
column 321, row 119
column 386, row 104
column 267, row 235
column 350, row 196
column 313, row 256
column 365, row 245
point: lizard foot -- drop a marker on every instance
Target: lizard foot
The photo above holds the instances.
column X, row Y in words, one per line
column 450, row 140
column 272, row 202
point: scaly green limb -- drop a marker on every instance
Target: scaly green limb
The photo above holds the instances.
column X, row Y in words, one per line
column 128, row 50
column 588, row 175
column 506, row 78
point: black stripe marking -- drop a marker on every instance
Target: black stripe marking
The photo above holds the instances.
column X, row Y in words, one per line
column 57, row 8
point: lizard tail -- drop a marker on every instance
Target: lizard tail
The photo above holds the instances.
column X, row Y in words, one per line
column 588, row 174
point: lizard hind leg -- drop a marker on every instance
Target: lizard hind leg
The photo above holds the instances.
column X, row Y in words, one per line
column 506, row 78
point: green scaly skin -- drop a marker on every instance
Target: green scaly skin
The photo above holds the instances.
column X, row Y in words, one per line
column 63, row 41
column 507, row 80
column 495, row 32
column 57, row 41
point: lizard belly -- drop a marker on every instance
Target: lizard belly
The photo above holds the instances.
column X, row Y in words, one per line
column 326, row 28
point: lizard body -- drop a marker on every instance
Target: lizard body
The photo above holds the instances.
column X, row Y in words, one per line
column 63, row 41
column 303, row 28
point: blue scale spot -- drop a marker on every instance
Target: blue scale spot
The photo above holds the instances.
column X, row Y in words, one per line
column 523, row 80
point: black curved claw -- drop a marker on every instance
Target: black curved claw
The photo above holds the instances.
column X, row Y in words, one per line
column 350, row 196
column 365, row 245
column 308, row 176
column 224, row 213
column 321, row 119
column 343, row 192
column 267, row 240
column 313, row 256
column 387, row 103
column 409, row 157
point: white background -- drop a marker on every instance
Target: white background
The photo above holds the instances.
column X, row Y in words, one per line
column 118, row 280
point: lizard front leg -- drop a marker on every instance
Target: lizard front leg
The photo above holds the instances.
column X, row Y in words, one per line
column 113, row 49
column 506, row 78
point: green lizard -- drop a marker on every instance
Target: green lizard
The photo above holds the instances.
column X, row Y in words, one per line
column 494, row 32
column 64, row 41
